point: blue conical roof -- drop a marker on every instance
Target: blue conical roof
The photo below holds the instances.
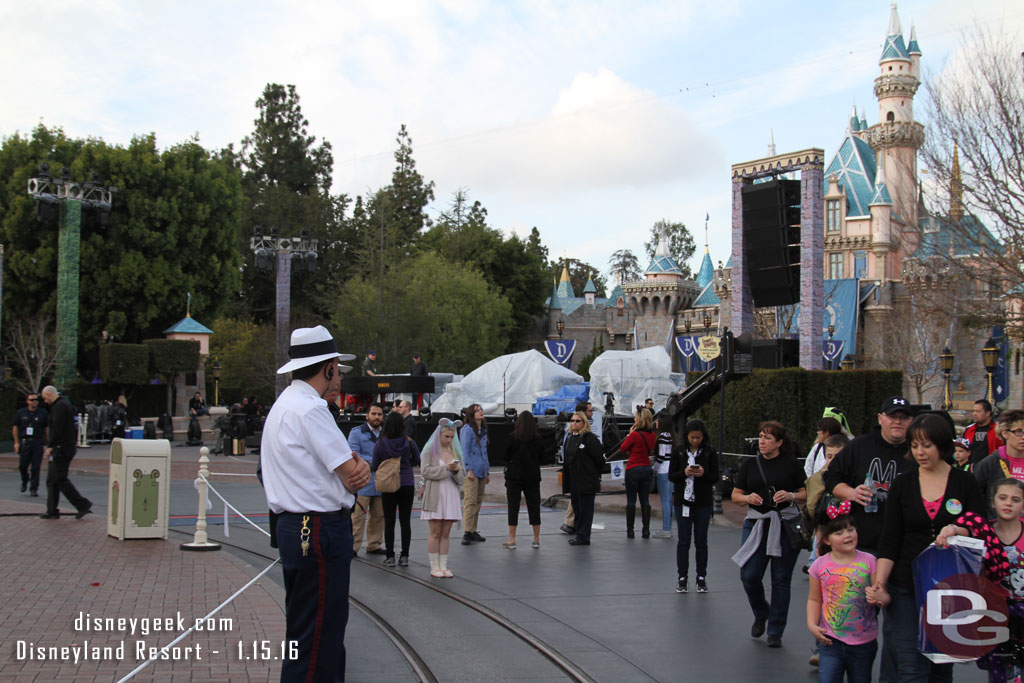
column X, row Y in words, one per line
column 894, row 47
column 188, row 325
column 707, row 270
column 589, row 288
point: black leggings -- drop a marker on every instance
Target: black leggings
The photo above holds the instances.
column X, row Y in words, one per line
column 532, row 492
column 402, row 501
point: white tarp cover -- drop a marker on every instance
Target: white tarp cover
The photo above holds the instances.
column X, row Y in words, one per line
column 527, row 376
column 634, row 376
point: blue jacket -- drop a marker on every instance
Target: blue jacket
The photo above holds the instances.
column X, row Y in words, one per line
column 474, row 455
column 362, row 440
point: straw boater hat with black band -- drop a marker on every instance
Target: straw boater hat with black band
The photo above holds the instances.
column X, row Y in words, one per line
column 310, row 346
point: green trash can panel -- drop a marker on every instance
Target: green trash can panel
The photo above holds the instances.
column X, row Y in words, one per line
column 115, row 491
column 145, row 498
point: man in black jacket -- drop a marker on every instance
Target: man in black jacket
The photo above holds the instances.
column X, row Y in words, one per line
column 880, row 454
column 60, row 452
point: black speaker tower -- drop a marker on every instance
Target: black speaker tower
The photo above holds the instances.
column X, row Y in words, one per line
column 771, row 241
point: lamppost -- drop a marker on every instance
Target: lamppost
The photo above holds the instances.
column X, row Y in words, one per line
column 946, row 358
column 216, row 382
column 61, row 199
column 990, row 357
column 560, row 326
column 707, row 324
column 290, row 252
column 846, row 363
column 831, row 330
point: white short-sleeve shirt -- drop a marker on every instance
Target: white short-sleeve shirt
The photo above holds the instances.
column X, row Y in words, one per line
column 301, row 448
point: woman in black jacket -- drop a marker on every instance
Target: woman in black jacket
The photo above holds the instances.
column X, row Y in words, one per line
column 693, row 471
column 581, row 474
column 522, row 476
column 920, row 503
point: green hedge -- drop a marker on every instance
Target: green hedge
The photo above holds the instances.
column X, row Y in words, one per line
column 173, row 356
column 796, row 398
column 124, row 363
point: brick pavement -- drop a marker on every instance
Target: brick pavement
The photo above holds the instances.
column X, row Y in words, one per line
column 61, row 568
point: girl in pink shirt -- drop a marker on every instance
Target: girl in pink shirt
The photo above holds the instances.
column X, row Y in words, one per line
column 838, row 614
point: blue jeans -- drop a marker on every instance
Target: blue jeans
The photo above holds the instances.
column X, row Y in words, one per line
column 638, row 483
column 855, row 660
column 752, row 575
column 696, row 525
column 900, row 633
column 665, row 493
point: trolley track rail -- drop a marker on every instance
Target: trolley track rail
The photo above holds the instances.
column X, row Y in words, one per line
column 569, row 668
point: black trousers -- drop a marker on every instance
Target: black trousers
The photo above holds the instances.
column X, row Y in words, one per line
column 531, row 490
column 400, row 501
column 30, row 457
column 316, row 594
column 57, row 482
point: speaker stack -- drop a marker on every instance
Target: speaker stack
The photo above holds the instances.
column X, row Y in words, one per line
column 771, row 241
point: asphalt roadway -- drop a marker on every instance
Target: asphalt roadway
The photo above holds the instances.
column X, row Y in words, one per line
column 611, row 607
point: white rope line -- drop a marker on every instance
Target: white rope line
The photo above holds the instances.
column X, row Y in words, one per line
column 198, row 622
column 230, row 474
column 236, row 510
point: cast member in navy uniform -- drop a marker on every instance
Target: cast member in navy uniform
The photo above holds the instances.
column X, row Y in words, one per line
column 29, row 430
column 310, row 476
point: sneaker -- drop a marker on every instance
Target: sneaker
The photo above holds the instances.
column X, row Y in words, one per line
column 511, row 545
column 681, row 585
column 24, row 487
column 477, row 538
column 661, row 533
column 535, row 544
column 377, row 551
column 403, row 560
column 757, row 629
column 702, row 584
column 467, row 539
column 813, row 661
column 774, row 641
column 389, row 561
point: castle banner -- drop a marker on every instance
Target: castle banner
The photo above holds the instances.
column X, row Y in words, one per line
column 832, row 349
column 560, row 350
column 687, row 345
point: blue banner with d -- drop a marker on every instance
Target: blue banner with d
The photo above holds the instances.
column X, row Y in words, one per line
column 560, row 350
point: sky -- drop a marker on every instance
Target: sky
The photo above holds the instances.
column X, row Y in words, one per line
column 588, row 119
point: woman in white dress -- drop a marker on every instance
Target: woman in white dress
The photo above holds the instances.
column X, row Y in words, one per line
column 443, row 473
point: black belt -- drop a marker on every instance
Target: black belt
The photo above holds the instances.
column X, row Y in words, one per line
column 344, row 512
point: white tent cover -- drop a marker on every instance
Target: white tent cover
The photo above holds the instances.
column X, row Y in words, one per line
column 513, row 381
column 633, row 376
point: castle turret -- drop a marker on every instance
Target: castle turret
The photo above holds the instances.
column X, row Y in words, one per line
column 956, row 188
column 897, row 137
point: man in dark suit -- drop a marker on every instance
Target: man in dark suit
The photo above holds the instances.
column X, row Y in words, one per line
column 60, row 453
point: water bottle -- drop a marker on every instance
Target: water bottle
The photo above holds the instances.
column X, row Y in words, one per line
column 872, row 505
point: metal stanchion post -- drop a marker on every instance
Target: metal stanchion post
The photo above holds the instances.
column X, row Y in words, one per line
column 200, row 541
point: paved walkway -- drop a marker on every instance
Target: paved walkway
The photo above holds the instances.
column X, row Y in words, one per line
column 610, row 607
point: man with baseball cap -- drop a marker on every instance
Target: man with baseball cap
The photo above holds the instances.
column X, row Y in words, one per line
column 880, row 455
column 310, row 477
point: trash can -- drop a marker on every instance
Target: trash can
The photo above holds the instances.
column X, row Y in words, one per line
column 139, row 488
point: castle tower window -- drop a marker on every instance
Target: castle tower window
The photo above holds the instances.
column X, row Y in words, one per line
column 890, row 117
column 833, row 215
column 835, row 265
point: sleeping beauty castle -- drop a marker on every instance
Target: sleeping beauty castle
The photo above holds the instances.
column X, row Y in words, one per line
column 871, row 236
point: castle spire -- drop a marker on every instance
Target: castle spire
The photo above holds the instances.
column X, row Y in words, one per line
column 894, row 48
column 956, row 188
column 771, row 142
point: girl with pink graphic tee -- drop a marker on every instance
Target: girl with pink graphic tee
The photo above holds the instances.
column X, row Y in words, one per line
column 838, row 613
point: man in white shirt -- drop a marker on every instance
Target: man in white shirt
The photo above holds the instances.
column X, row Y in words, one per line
column 310, row 476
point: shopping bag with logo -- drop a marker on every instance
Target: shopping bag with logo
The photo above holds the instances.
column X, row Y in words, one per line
column 962, row 615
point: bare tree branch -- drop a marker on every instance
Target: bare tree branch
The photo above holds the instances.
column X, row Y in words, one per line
column 32, row 347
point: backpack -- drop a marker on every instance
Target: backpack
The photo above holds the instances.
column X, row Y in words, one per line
column 388, row 478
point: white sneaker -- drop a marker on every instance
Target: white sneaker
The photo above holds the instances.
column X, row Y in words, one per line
column 661, row 533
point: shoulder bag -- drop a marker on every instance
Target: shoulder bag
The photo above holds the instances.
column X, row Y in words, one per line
column 798, row 533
